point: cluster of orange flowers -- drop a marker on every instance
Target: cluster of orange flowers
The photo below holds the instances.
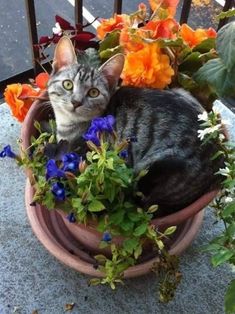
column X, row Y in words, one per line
column 146, row 63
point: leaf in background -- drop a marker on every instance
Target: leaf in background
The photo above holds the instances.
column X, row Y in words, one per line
column 225, row 44
column 109, row 46
column 96, row 206
column 205, row 46
column 217, row 76
column 130, row 244
column 191, row 63
column 140, row 230
column 229, row 302
column 65, row 25
column 228, row 13
column 186, row 81
column 223, row 256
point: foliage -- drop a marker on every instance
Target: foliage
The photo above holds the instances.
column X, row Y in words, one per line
column 222, row 247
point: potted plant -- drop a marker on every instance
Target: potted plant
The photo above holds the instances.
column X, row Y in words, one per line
column 201, row 61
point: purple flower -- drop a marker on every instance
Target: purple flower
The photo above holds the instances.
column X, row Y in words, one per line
column 58, row 191
column 104, row 124
column 92, row 135
column 70, row 162
column 52, row 170
column 106, row 237
column 124, row 154
column 71, row 218
column 7, row 152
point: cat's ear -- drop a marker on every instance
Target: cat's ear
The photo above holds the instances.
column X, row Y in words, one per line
column 64, row 54
column 112, row 69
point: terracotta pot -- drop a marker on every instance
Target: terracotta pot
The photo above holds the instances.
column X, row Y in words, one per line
column 57, row 234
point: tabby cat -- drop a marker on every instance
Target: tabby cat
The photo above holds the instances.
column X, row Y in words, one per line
column 164, row 123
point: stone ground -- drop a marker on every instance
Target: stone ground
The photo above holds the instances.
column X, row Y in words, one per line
column 32, row 279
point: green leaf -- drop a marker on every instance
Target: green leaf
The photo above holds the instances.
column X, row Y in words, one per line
column 138, row 251
column 109, row 46
column 229, row 302
column 225, row 44
column 152, row 209
column 127, row 225
column 94, row 281
column 130, row 245
column 228, row 13
column 134, row 216
column 109, row 163
column 205, row 46
column 140, row 230
column 116, row 217
column 186, row 81
column 230, row 231
column 191, row 63
column 228, row 210
column 96, row 206
column 170, row 230
column 216, row 74
column 223, row 256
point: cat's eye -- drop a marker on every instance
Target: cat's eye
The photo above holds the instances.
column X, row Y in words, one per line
column 67, row 84
column 93, row 92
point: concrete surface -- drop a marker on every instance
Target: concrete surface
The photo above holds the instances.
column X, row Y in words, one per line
column 31, row 279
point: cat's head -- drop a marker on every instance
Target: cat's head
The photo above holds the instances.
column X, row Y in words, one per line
column 77, row 91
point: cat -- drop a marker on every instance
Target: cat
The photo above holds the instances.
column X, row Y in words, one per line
column 164, row 123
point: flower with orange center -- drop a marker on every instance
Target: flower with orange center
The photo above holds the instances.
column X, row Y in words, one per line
column 194, row 38
column 168, row 5
column 108, row 25
column 160, row 29
column 130, row 39
column 148, row 67
column 18, row 97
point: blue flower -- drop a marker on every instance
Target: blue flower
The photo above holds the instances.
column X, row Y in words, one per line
column 70, row 162
column 71, row 218
column 52, row 170
column 104, row 124
column 92, row 135
column 7, row 152
column 58, row 191
column 106, row 236
column 124, row 154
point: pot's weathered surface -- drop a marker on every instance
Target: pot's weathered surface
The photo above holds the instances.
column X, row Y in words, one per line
column 51, row 231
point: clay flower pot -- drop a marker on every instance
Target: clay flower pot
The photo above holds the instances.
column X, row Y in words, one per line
column 73, row 243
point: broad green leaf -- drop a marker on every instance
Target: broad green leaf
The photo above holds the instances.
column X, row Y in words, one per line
column 205, row 46
column 127, row 225
column 140, row 230
column 225, row 44
column 130, row 245
column 109, row 46
column 230, row 231
column 110, row 52
column 216, row 75
column 229, row 302
column 191, row 63
column 221, row 257
column 134, row 216
column 109, row 163
column 96, row 206
column 228, row 210
column 116, row 217
column 186, row 81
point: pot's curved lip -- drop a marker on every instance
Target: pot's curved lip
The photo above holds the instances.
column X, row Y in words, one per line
column 43, row 226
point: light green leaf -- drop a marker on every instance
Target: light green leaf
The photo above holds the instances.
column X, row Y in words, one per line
column 170, row 230
column 228, row 13
column 109, row 163
column 96, row 206
column 229, row 302
column 205, row 46
column 140, row 230
column 228, row 210
column 225, row 44
column 221, row 257
column 130, row 245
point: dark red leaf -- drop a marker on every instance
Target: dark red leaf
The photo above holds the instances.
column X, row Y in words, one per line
column 56, row 38
column 44, row 40
column 84, row 36
column 65, row 25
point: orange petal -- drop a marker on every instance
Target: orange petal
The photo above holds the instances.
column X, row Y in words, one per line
column 42, row 79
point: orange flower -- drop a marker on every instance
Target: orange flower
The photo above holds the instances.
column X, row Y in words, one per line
column 161, row 29
column 130, row 39
column 168, row 5
column 148, row 67
column 18, row 98
column 108, row 25
column 42, row 79
column 194, row 38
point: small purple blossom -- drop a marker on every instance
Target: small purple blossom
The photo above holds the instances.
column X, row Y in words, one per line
column 7, row 152
column 124, row 154
column 70, row 162
column 71, row 218
column 52, row 170
column 104, row 124
column 106, row 237
column 58, row 191
column 92, row 135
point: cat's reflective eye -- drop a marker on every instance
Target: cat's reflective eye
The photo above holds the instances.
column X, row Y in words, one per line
column 67, row 84
column 93, row 92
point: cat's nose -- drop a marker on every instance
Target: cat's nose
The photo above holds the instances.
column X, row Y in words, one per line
column 76, row 103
